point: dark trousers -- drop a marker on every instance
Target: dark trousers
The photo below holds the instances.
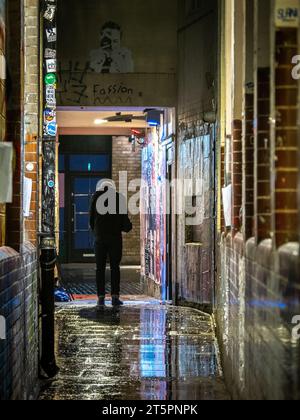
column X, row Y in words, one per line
column 112, row 247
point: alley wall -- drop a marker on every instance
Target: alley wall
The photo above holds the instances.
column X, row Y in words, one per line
column 257, row 285
column 18, row 256
column 2, row 108
column 196, row 143
column 142, row 68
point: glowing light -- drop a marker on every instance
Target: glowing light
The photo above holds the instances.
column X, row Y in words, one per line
column 153, row 123
column 100, row 122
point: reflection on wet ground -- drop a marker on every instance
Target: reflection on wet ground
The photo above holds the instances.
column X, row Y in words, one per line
column 138, row 352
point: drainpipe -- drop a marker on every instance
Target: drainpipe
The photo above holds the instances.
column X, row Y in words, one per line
column 48, row 13
column 48, row 263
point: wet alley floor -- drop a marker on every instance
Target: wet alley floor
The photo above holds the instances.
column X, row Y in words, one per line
column 80, row 280
column 142, row 351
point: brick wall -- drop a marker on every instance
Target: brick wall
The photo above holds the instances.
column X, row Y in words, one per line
column 22, row 115
column 263, row 157
column 14, row 118
column 125, row 159
column 2, row 127
column 257, row 297
column 19, row 263
column 286, row 147
column 31, row 112
column 257, row 290
column 249, row 165
column 237, row 176
column 19, row 305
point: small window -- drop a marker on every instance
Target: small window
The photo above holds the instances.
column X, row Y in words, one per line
column 89, row 163
column 193, row 233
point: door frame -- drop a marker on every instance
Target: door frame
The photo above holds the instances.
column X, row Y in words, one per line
column 169, row 220
column 169, row 237
column 80, row 144
column 214, row 210
column 72, row 256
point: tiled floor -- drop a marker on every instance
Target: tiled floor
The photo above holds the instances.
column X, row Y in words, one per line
column 80, row 280
column 143, row 351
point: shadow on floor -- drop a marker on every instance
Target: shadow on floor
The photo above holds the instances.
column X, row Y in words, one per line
column 106, row 316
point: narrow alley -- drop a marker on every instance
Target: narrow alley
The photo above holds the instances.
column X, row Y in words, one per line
column 143, row 351
column 149, row 201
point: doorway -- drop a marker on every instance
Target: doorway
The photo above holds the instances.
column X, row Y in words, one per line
column 169, row 220
column 82, row 189
column 110, row 143
column 83, row 162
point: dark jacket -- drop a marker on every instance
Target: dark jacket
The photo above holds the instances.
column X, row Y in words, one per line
column 109, row 225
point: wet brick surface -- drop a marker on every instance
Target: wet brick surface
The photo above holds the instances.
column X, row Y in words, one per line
column 142, row 351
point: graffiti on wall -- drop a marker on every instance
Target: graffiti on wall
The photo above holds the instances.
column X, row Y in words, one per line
column 76, row 86
column 120, row 60
column 111, row 56
column 153, row 210
column 72, row 83
column 113, row 94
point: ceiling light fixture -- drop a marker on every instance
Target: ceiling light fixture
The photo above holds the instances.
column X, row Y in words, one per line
column 100, row 122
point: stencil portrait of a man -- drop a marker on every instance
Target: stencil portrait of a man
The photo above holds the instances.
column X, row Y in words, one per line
column 111, row 57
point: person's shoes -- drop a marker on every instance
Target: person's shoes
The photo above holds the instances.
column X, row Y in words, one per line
column 101, row 303
column 116, row 301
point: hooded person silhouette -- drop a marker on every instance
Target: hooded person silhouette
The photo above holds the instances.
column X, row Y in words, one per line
column 108, row 220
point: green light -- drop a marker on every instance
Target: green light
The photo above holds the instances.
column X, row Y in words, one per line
column 89, row 167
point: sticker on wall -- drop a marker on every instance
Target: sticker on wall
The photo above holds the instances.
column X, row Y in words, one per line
column 30, row 167
column 2, row 67
column 51, row 66
column 27, row 193
column 287, row 13
column 50, row 96
column 51, row 129
column 49, row 115
column 51, row 34
column 50, row 53
column 51, row 184
column 50, row 12
column 50, row 79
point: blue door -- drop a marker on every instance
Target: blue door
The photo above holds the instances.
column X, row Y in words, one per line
column 84, row 188
column 84, row 172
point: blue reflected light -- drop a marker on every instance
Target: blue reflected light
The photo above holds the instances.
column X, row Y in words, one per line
column 268, row 304
column 153, row 344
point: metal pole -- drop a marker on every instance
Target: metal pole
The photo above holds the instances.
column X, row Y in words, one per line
column 47, row 238
column 48, row 262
